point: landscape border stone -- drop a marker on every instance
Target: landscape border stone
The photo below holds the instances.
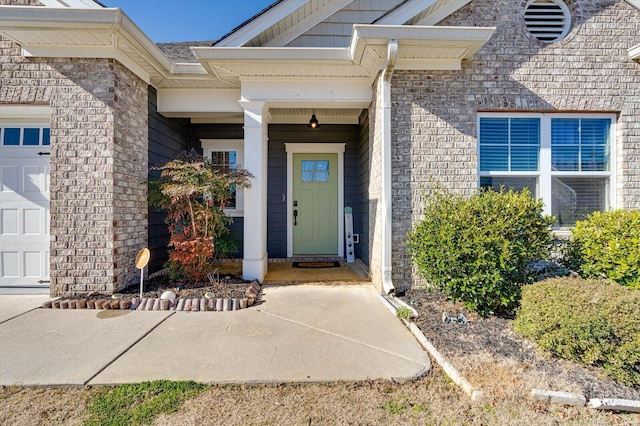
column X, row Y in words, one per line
column 180, row 304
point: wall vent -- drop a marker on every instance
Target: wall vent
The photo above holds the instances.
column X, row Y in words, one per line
column 548, row 20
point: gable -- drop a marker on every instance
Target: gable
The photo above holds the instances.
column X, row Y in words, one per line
column 329, row 23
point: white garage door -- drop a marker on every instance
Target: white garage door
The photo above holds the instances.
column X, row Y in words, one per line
column 24, row 209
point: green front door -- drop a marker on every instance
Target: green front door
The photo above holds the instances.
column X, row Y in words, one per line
column 315, row 204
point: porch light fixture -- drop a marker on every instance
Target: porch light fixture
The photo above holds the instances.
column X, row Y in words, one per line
column 313, row 123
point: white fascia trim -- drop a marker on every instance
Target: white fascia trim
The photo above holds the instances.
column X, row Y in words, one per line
column 307, row 23
column 317, row 92
column 634, row 52
column 470, row 37
column 36, row 114
column 406, row 12
column 275, row 54
column 262, row 23
column 77, row 4
column 14, row 20
column 467, row 41
column 443, row 12
column 634, row 3
column 175, row 101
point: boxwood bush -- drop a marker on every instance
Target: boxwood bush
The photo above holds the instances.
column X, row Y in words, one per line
column 607, row 245
column 594, row 322
column 476, row 249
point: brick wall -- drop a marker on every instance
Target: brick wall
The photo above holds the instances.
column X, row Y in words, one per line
column 434, row 113
column 99, row 141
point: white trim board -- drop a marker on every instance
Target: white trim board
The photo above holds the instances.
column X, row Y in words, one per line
column 315, row 148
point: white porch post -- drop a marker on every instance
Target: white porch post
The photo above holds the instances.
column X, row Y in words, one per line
column 255, row 259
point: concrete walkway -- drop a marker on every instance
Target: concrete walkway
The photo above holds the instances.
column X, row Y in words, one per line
column 298, row 333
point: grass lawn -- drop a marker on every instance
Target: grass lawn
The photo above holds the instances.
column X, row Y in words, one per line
column 432, row 400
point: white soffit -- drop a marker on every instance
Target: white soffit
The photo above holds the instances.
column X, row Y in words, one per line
column 95, row 33
column 420, row 48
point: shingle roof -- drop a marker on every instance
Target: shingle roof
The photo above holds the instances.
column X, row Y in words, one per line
column 253, row 18
column 179, row 51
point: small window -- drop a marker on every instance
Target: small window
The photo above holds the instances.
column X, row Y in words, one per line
column 227, row 154
column 46, row 136
column 315, row 171
column 11, row 136
column 24, row 136
column 31, row 137
column 548, row 20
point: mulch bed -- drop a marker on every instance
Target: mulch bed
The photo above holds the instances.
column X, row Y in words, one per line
column 483, row 341
column 229, row 287
column 229, row 293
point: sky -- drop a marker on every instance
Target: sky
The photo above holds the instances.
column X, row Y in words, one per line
column 188, row 20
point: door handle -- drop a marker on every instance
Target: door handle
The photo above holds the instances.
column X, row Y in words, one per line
column 295, row 217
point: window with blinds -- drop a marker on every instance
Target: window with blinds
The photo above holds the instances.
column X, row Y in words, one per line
column 564, row 159
column 227, row 154
column 226, row 160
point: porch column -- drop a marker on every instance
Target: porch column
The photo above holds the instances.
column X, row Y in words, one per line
column 255, row 259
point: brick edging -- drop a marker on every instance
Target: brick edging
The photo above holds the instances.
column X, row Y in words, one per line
column 157, row 304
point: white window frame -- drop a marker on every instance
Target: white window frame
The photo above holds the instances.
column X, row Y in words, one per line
column 228, row 145
column 544, row 174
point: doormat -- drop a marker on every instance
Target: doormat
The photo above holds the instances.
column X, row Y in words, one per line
column 316, row 265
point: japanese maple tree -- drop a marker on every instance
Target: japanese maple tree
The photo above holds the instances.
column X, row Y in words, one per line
column 194, row 192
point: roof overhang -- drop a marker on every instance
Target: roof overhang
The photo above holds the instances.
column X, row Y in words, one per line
column 420, row 48
column 94, row 33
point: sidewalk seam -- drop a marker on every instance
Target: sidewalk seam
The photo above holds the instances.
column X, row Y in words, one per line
column 426, row 364
column 128, row 348
column 19, row 315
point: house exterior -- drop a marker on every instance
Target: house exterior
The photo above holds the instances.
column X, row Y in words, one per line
column 542, row 94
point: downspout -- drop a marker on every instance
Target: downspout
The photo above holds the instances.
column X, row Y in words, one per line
column 387, row 243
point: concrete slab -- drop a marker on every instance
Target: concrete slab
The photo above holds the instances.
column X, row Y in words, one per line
column 67, row 347
column 299, row 333
column 353, row 312
column 17, row 304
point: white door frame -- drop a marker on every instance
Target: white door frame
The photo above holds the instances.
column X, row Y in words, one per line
column 315, row 148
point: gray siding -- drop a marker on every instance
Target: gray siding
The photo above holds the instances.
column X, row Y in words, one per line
column 279, row 134
column 221, row 131
column 167, row 139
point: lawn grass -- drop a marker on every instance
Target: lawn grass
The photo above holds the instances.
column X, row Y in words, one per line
column 138, row 403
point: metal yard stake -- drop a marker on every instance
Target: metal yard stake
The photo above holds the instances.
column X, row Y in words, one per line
column 141, row 261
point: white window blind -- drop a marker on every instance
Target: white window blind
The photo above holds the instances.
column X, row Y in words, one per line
column 564, row 159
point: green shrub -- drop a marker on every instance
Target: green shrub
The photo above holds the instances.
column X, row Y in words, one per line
column 607, row 245
column 593, row 322
column 476, row 249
